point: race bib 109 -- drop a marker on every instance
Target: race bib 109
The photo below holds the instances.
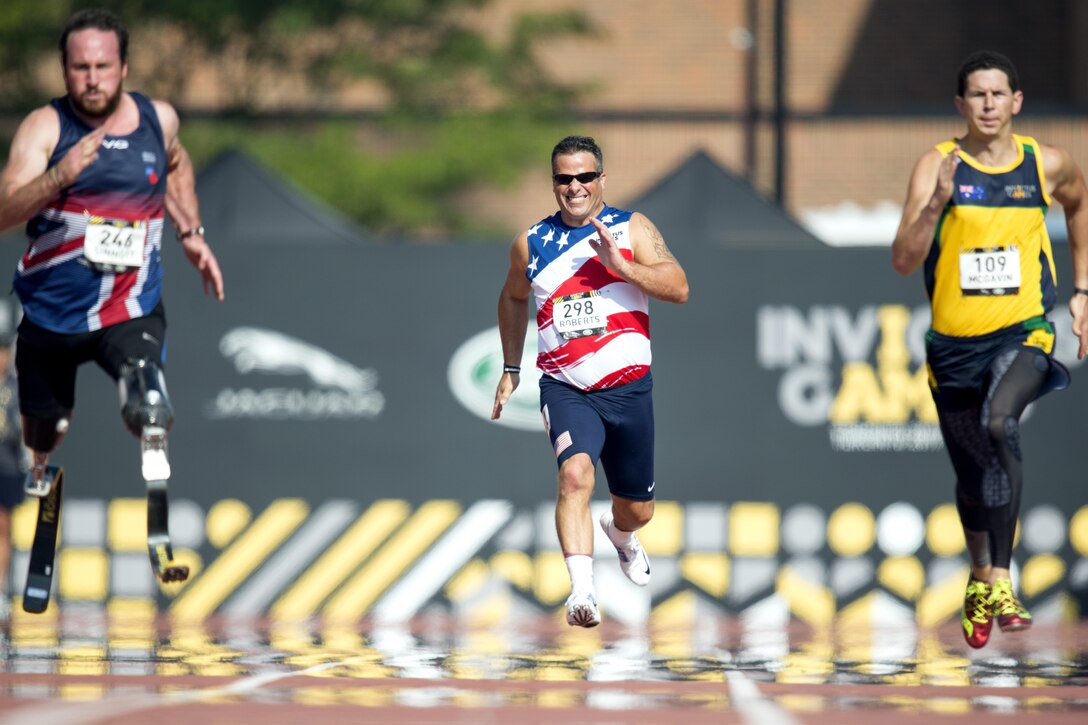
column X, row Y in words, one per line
column 990, row 271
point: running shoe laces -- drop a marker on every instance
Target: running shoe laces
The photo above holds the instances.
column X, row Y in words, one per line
column 977, row 614
column 1011, row 614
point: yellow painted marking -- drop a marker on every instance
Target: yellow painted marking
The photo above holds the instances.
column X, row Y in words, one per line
column 33, row 630
column 514, row 566
column 234, row 565
column 132, row 623
column 24, row 519
column 903, row 575
column 857, row 618
column 944, row 599
column 124, row 611
column 492, row 610
column 341, row 559
column 127, row 524
column 82, row 660
column 709, row 570
column 83, row 574
column 226, row 520
column 811, row 663
column 753, row 529
column 940, row 667
column 851, row 530
column 1078, row 531
column 552, row 582
column 417, row 534
column 81, row 693
column 944, row 533
column 472, row 578
column 811, row 602
column 676, row 611
column 664, row 535
column 1040, row 573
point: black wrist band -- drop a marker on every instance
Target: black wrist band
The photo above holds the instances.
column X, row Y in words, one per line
column 511, row 369
column 1080, row 291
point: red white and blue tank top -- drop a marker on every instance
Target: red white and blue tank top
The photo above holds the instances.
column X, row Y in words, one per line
column 593, row 328
column 94, row 251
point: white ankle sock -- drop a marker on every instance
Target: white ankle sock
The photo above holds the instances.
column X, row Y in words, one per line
column 580, row 567
column 619, row 538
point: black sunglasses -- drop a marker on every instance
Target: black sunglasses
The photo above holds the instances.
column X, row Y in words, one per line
column 583, row 178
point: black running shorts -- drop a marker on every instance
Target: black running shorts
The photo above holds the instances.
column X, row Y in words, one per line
column 47, row 361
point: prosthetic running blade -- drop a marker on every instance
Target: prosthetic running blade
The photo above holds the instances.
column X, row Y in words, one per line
column 43, row 552
column 156, row 472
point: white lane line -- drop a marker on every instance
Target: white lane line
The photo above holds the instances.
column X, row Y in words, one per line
column 752, row 706
column 106, row 710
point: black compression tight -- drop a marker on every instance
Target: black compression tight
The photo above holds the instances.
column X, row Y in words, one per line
column 981, row 431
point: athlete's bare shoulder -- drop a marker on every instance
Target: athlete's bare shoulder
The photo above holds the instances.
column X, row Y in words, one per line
column 646, row 240
column 31, row 147
column 41, row 127
column 168, row 120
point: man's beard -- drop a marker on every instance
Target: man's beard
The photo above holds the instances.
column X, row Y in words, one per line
column 101, row 111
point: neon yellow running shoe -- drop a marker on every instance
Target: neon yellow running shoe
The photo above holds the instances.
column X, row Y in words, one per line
column 978, row 617
column 1011, row 614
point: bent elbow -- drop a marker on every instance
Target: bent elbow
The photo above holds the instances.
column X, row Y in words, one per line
column 903, row 266
column 679, row 295
column 903, row 262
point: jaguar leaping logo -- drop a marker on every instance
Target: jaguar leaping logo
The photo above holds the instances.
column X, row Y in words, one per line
column 253, row 348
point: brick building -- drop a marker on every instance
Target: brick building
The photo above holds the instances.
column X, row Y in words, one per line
column 867, row 87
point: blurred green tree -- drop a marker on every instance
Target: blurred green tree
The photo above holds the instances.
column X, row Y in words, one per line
column 450, row 110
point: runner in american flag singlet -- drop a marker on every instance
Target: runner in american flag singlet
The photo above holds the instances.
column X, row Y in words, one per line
column 590, row 270
column 593, row 327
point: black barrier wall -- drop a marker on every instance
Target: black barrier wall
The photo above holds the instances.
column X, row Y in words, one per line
column 333, row 456
column 328, row 374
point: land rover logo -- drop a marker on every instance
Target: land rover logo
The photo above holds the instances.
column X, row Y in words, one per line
column 474, row 372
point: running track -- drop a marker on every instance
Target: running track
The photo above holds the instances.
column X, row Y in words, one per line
column 79, row 667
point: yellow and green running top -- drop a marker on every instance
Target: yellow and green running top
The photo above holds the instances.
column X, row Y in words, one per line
column 991, row 264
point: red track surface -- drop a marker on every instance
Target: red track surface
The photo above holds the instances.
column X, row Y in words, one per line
column 540, row 672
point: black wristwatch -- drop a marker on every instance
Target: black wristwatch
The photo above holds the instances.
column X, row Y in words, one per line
column 195, row 230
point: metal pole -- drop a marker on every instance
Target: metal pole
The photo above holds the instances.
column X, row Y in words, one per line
column 779, row 101
column 751, row 90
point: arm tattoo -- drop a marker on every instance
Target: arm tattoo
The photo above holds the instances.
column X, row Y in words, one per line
column 658, row 241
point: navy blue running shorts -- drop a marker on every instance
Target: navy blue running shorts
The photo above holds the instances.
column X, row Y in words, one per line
column 963, row 363
column 614, row 426
column 11, row 491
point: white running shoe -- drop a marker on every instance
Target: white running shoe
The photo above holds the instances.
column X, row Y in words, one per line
column 582, row 610
column 39, row 481
column 633, row 560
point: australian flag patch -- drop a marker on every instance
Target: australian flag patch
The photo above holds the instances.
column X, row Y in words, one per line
column 970, row 192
